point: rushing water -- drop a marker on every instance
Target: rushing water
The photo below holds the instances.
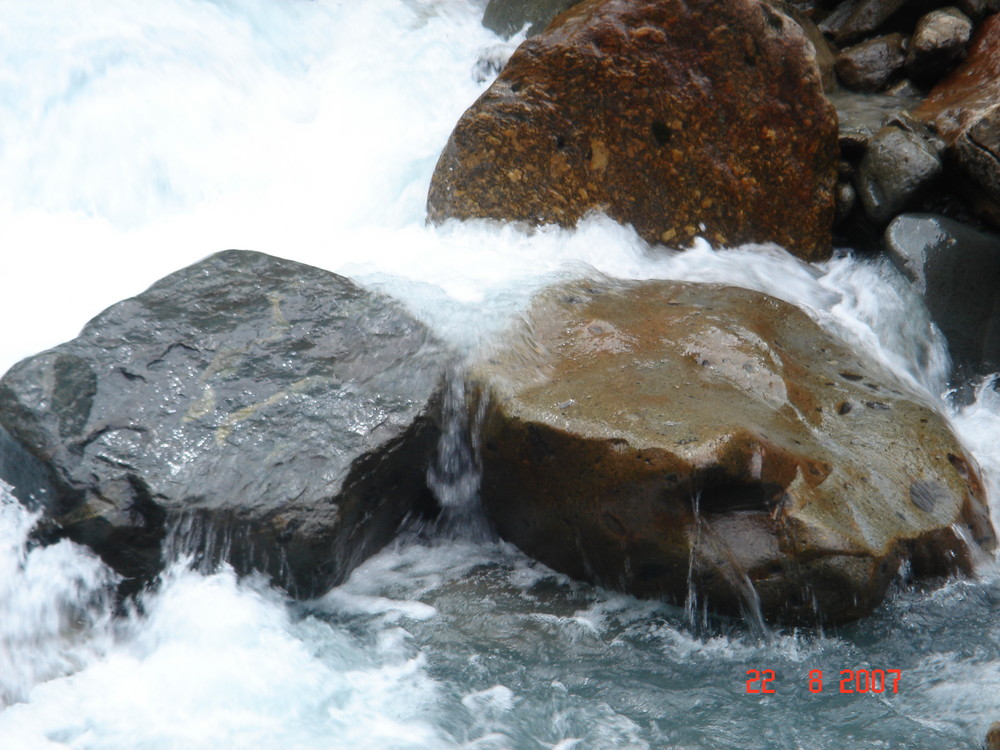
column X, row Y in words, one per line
column 138, row 137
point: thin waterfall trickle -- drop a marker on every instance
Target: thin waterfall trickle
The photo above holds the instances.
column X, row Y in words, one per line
column 691, row 601
column 711, row 549
column 454, row 476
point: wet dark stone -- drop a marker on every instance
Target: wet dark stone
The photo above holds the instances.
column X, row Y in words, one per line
column 902, row 160
column 956, row 268
column 247, row 407
column 964, row 108
column 873, row 64
column 937, row 44
column 507, row 17
column 854, row 19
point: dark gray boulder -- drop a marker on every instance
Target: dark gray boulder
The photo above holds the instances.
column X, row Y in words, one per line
column 852, row 20
column 957, row 270
column 245, row 408
column 873, row 64
column 902, row 161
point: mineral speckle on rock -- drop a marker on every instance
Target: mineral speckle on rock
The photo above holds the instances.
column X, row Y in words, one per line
column 679, row 118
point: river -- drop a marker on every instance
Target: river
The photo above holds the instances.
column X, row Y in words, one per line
column 136, row 138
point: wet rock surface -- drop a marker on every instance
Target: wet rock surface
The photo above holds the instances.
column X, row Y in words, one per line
column 508, row 17
column 873, row 64
column 937, row 43
column 902, row 160
column 854, row 19
column 956, row 268
column 249, row 408
column 660, row 435
column 965, row 110
column 677, row 118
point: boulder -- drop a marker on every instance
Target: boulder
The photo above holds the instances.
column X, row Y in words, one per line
column 507, row 17
column 661, row 436
column 937, row 43
column 873, row 64
column 965, row 109
column 902, row 161
column 679, row 118
column 245, row 408
column 956, row 268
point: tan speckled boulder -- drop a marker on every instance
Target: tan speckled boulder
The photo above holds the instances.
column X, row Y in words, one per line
column 679, row 118
column 617, row 410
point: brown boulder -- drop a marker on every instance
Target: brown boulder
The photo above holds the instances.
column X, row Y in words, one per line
column 680, row 118
column 965, row 110
column 640, row 436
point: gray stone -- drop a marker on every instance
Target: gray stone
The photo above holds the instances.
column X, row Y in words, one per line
column 826, row 57
column 507, row 17
column 899, row 164
column 957, row 270
column 855, row 19
column 937, row 44
column 249, row 408
column 873, row 64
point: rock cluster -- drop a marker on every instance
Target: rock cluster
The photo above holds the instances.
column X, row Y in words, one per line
column 915, row 86
column 672, row 440
column 919, row 129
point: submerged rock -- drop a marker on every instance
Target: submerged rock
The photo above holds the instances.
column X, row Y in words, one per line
column 654, row 435
column 679, row 118
column 956, row 269
column 261, row 411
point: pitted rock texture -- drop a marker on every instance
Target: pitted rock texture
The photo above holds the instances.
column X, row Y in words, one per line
column 679, row 118
column 245, row 408
column 635, row 435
